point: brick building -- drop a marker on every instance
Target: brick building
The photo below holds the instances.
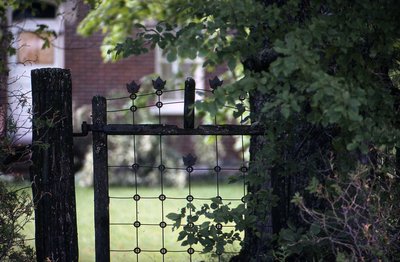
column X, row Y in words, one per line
column 90, row 75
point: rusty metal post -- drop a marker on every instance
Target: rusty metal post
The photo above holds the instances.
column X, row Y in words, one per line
column 52, row 173
column 100, row 173
column 188, row 108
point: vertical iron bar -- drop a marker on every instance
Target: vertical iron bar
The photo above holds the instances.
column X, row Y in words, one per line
column 188, row 108
column 100, row 173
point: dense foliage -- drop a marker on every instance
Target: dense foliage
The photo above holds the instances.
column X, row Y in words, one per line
column 335, row 59
column 15, row 211
column 322, row 79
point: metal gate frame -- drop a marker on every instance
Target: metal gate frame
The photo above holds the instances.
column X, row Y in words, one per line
column 101, row 130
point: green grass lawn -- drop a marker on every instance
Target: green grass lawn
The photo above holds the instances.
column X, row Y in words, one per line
column 147, row 211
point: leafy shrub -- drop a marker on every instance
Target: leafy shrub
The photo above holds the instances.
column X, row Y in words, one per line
column 360, row 219
column 15, row 212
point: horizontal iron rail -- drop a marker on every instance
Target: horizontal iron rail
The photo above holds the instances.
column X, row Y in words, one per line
column 85, row 129
column 156, row 129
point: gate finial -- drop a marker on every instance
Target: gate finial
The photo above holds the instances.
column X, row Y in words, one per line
column 132, row 87
column 159, row 84
column 189, row 160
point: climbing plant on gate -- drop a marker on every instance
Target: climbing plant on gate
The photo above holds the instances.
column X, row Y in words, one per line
column 321, row 76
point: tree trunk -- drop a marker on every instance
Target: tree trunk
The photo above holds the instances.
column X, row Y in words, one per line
column 305, row 140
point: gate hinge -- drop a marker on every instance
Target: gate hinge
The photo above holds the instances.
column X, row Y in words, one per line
column 86, row 128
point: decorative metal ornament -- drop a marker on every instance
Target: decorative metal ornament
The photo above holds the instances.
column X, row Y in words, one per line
column 243, row 169
column 132, row 87
column 133, row 108
column 136, row 197
column 189, row 160
column 133, row 96
column 135, row 167
column 159, row 104
column 189, row 198
column 161, row 168
column 159, row 84
column 215, row 83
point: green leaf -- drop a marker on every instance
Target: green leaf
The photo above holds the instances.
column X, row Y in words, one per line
column 288, row 235
column 138, row 25
column 182, row 235
column 232, row 64
column 216, row 200
column 240, row 110
column 191, row 239
column 297, row 199
column 174, row 216
column 171, row 55
column 313, row 186
column 162, row 44
column 205, row 225
column 159, row 28
column 285, row 111
column 192, row 219
column 214, row 205
column 315, row 229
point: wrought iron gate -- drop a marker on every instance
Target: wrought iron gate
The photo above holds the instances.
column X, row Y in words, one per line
column 101, row 129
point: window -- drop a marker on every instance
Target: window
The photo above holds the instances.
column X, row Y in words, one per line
column 30, row 49
column 36, row 10
column 30, row 55
column 176, row 73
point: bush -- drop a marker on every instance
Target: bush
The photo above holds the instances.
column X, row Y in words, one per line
column 15, row 212
column 359, row 222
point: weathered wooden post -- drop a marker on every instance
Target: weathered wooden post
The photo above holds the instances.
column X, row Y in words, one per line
column 100, row 179
column 52, row 171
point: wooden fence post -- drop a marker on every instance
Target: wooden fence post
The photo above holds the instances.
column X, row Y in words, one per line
column 52, row 171
column 100, row 180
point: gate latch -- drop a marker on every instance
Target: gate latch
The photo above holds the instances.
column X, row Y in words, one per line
column 85, row 127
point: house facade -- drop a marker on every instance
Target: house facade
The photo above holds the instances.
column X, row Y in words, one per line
column 66, row 49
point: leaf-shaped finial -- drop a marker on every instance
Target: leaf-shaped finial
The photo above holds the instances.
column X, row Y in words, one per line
column 132, row 87
column 215, row 83
column 189, row 160
column 159, row 84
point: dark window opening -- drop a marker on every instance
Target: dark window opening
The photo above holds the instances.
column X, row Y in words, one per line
column 35, row 10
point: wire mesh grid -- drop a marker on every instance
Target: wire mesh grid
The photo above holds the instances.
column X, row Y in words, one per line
column 146, row 209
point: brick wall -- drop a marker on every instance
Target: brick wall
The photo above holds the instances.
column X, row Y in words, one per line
column 90, row 75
